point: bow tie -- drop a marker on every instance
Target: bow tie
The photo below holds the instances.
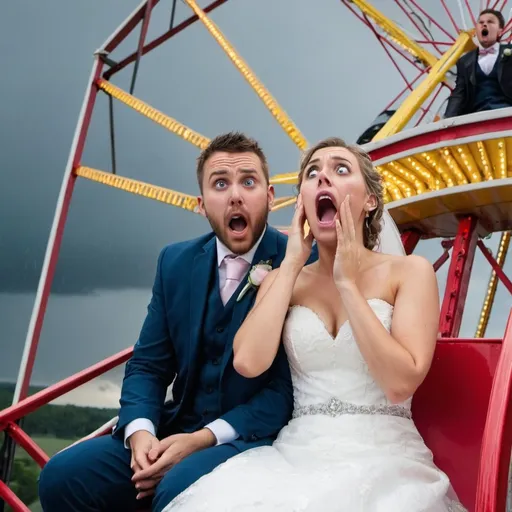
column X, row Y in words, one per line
column 487, row 51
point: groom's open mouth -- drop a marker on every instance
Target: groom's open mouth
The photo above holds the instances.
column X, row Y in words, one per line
column 326, row 209
column 485, row 32
column 238, row 225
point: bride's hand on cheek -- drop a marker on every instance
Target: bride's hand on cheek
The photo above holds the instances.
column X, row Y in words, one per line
column 299, row 246
column 348, row 251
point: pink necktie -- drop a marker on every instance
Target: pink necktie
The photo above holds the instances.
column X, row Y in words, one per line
column 236, row 268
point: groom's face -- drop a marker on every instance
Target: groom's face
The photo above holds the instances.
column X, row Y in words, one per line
column 236, row 198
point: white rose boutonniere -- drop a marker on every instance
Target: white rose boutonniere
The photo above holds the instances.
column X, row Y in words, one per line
column 507, row 52
column 256, row 275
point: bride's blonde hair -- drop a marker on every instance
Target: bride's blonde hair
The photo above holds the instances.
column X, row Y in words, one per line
column 373, row 181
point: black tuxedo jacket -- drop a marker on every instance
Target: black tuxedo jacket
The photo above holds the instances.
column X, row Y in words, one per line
column 462, row 98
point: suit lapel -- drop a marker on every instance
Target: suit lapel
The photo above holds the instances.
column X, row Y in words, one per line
column 471, row 66
column 499, row 62
column 267, row 250
column 202, row 271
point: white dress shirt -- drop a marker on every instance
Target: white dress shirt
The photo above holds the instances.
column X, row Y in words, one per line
column 221, row 429
column 488, row 60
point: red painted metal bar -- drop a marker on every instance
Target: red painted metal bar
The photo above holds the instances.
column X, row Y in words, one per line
column 494, row 264
column 142, row 38
column 11, row 499
column 404, row 55
column 410, row 240
column 161, row 39
column 379, row 38
column 492, row 483
column 50, row 393
column 126, row 28
column 382, row 40
column 441, row 260
column 405, row 89
column 429, row 105
column 354, row 12
column 418, row 27
column 432, row 20
column 473, row 19
column 55, row 239
column 28, row 444
column 463, row 255
column 457, row 29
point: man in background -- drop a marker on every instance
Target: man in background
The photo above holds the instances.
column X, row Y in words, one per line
column 484, row 75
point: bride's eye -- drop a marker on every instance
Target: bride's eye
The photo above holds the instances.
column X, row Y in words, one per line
column 342, row 169
column 311, row 172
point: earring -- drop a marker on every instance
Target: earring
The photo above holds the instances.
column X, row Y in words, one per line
column 367, row 220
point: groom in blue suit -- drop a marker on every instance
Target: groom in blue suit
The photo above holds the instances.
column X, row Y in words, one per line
column 158, row 449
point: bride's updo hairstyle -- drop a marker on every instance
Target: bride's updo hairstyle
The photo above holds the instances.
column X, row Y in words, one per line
column 373, row 181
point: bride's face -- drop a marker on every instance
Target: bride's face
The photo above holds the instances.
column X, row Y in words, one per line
column 329, row 176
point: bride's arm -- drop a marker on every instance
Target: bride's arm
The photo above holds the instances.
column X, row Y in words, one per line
column 398, row 362
column 257, row 341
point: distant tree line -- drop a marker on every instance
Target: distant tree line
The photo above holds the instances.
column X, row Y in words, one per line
column 62, row 421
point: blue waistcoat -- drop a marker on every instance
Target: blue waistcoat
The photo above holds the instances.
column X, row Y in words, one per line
column 206, row 404
column 488, row 93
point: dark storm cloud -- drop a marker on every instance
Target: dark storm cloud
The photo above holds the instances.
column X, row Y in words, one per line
column 112, row 239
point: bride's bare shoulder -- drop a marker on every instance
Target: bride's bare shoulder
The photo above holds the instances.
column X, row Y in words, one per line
column 404, row 268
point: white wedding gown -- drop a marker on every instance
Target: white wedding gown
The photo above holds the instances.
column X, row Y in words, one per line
column 346, row 449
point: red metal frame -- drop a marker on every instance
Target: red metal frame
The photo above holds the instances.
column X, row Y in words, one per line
column 410, row 240
column 55, row 241
column 463, row 255
column 494, row 264
column 161, row 39
column 28, row 444
column 37, row 400
column 447, row 245
column 11, row 499
column 492, row 483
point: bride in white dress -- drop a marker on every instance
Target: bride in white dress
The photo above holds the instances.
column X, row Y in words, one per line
column 359, row 327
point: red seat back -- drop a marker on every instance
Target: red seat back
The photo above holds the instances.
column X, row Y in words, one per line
column 450, row 409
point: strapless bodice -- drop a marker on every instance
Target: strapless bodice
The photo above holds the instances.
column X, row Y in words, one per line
column 325, row 368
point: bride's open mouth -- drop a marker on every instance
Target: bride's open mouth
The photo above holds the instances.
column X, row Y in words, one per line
column 237, row 225
column 326, row 209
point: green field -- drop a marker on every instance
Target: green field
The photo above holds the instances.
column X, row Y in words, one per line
column 51, row 445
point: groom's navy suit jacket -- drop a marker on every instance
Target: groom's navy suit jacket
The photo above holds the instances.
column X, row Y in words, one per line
column 183, row 316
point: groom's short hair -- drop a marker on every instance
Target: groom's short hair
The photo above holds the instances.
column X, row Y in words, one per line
column 232, row 142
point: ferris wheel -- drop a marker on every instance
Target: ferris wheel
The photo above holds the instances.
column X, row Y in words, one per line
column 443, row 178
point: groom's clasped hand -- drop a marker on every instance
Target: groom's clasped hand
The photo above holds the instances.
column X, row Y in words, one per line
column 152, row 458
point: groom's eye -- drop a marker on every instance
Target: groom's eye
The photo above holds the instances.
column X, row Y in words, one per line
column 220, row 184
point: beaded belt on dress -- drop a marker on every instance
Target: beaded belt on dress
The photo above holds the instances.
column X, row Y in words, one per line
column 335, row 407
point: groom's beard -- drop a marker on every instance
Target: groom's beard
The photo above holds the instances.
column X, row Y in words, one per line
column 256, row 228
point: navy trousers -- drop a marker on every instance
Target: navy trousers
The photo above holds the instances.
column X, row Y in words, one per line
column 95, row 475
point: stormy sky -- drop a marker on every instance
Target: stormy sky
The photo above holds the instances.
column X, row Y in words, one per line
column 322, row 65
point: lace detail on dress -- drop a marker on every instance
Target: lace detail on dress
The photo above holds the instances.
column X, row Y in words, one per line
column 326, row 460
